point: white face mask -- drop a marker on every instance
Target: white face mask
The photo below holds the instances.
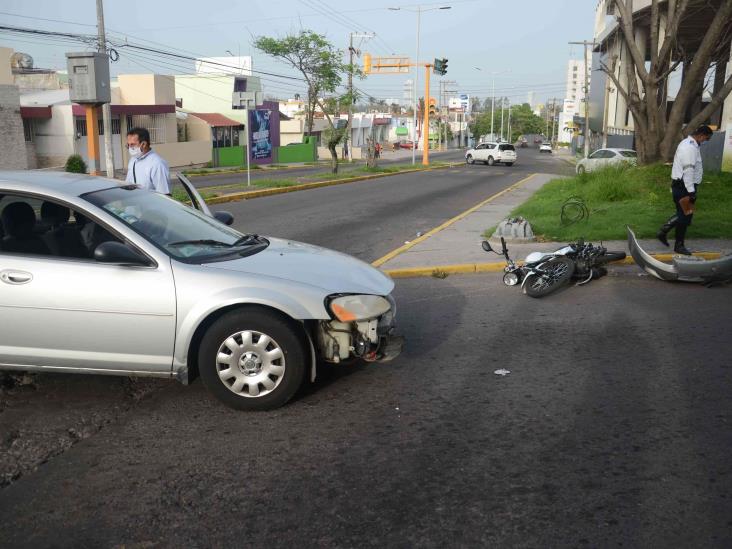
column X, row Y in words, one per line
column 134, row 151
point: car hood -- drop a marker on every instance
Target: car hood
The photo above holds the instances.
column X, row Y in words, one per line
column 332, row 271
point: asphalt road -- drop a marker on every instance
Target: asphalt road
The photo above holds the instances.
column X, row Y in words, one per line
column 612, row 429
column 368, row 219
column 203, row 181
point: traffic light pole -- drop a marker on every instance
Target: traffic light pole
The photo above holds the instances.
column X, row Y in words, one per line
column 426, row 122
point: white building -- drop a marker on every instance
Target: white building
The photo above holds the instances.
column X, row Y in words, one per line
column 576, row 80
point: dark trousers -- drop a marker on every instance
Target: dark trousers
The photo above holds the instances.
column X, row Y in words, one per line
column 683, row 220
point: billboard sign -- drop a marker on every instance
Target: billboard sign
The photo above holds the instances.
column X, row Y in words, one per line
column 225, row 65
column 260, row 139
column 464, row 102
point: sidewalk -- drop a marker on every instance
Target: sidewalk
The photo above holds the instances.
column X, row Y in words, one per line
column 455, row 246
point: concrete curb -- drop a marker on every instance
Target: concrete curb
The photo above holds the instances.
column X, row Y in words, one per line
column 496, row 267
column 391, row 255
column 234, row 197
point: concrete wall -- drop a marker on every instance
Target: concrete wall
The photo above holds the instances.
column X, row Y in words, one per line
column 12, row 152
column 212, row 94
column 6, row 75
column 198, row 130
column 55, row 140
column 146, row 89
column 190, row 153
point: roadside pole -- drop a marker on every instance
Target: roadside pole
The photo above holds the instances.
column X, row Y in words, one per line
column 426, row 117
column 584, row 44
column 249, row 148
column 350, row 102
column 106, row 109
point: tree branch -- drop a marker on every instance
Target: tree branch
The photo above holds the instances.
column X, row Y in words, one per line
column 676, row 10
column 626, row 24
column 717, row 100
column 654, row 32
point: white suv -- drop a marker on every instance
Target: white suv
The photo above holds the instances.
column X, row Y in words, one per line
column 491, row 153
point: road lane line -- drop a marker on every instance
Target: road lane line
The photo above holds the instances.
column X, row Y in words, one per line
column 446, row 224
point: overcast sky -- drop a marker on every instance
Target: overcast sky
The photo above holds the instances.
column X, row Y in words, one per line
column 526, row 38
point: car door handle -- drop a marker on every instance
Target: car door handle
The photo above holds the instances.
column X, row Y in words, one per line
column 15, row 277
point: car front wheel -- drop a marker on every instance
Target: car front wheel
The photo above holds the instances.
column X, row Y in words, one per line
column 491, row 161
column 581, row 170
column 469, row 159
column 252, row 359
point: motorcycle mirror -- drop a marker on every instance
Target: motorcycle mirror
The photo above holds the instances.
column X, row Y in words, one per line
column 486, row 246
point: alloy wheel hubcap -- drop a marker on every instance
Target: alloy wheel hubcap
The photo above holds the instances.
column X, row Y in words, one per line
column 250, row 364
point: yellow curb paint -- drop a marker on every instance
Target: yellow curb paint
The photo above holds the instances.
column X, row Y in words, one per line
column 391, row 255
column 234, row 197
column 496, row 267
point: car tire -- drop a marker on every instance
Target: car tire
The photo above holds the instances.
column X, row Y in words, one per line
column 509, row 164
column 469, row 159
column 490, row 161
column 581, row 170
column 253, row 359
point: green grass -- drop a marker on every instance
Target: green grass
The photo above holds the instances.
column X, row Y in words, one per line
column 616, row 197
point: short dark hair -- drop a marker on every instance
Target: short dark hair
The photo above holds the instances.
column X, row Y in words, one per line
column 141, row 133
column 701, row 130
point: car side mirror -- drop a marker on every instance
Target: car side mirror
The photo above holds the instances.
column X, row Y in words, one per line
column 116, row 252
column 224, row 217
column 486, row 246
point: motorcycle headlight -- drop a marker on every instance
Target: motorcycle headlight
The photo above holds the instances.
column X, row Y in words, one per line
column 510, row 279
column 350, row 308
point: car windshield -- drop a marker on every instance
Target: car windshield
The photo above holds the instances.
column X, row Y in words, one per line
column 181, row 231
column 629, row 154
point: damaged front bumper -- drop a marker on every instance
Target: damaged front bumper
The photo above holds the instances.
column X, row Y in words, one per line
column 372, row 339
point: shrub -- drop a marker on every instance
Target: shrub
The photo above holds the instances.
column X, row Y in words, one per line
column 75, row 164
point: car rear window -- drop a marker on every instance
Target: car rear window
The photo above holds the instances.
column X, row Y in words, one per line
column 629, row 154
column 506, row 148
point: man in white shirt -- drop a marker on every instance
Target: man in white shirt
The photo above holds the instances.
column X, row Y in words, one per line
column 686, row 176
column 146, row 169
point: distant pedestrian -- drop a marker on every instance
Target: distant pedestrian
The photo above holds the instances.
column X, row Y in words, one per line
column 146, row 169
column 377, row 150
column 686, row 176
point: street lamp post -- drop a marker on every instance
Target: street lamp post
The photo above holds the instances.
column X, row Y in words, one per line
column 418, row 10
column 493, row 97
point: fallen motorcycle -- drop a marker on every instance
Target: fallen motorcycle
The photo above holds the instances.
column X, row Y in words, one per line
column 683, row 268
column 543, row 273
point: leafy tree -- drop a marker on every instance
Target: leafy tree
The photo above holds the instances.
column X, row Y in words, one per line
column 523, row 121
column 659, row 128
column 322, row 68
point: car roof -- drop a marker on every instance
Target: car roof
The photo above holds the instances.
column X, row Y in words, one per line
column 617, row 150
column 52, row 182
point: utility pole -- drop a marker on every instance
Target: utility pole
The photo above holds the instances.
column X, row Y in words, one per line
column 584, row 44
column 501, row 118
column 554, row 118
column 509, row 121
column 106, row 109
column 351, row 51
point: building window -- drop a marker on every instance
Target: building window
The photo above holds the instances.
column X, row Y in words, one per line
column 29, row 129
column 240, row 84
column 154, row 123
column 81, row 127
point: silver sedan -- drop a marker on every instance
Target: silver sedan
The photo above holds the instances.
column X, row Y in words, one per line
column 101, row 278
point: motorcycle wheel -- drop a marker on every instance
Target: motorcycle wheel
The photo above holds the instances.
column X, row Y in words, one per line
column 559, row 273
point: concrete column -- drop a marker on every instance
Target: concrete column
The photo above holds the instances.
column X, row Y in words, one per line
column 726, row 115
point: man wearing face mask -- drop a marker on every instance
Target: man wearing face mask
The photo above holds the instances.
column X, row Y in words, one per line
column 686, row 175
column 147, row 169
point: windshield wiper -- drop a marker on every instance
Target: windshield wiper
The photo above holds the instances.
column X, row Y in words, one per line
column 203, row 242
column 247, row 239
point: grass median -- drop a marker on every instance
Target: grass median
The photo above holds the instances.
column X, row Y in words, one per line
column 347, row 172
column 616, row 197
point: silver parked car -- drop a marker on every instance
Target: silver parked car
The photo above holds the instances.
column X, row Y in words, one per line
column 98, row 277
column 603, row 158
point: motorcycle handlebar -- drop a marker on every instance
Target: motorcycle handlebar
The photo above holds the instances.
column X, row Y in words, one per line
column 503, row 246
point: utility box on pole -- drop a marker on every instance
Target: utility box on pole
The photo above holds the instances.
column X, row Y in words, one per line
column 88, row 77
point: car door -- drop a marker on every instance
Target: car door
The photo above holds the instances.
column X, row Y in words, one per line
column 592, row 162
column 72, row 314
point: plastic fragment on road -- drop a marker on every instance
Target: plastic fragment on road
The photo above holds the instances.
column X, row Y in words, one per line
column 502, row 372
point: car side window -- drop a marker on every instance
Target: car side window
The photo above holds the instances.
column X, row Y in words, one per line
column 31, row 226
column 491, row 146
column 597, row 154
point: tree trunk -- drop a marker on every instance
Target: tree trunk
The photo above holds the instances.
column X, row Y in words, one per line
column 333, row 157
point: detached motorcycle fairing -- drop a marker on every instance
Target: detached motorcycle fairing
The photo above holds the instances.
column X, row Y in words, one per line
column 682, row 268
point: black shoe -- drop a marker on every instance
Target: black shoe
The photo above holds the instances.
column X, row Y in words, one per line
column 681, row 249
column 665, row 228
column 661, row 235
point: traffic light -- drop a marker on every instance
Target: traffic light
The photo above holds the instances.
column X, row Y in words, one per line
column 433, row 107
column 440, row 66
column 367, row 63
